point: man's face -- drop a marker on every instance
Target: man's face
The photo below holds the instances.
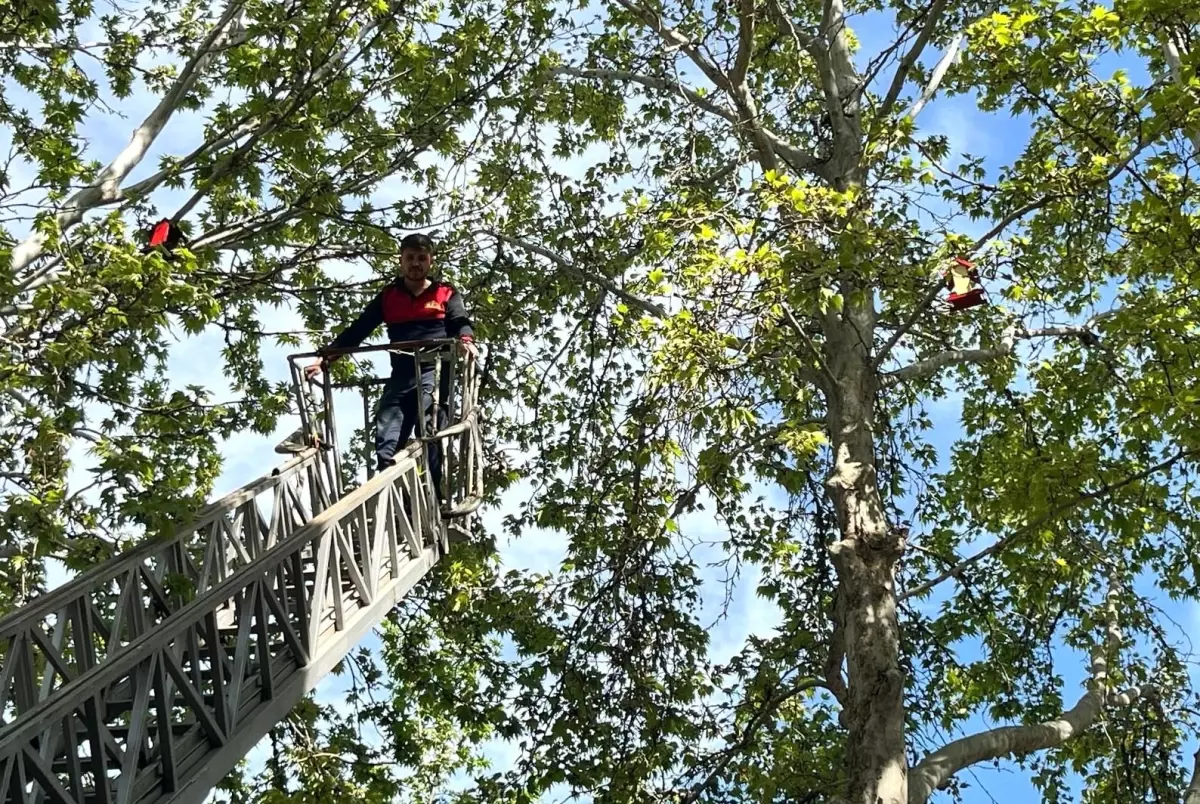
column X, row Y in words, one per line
column 415, row 263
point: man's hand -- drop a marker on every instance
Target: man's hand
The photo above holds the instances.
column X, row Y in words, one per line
column 313, row 369
column 466, row 347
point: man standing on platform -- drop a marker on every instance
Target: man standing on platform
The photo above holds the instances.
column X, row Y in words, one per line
column 414, row 308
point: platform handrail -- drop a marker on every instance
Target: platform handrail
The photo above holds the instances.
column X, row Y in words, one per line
column 269, row 599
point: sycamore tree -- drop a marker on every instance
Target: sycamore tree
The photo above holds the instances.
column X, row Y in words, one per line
column 735, row 299
column 284, row 140
column 731, row 308
column 293, row 144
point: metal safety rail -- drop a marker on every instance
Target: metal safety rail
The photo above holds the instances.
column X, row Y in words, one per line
column 149, row 677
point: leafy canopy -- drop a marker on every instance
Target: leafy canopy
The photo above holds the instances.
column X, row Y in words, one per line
column 687, row 222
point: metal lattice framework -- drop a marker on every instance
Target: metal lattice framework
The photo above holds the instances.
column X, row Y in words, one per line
column 149, row 677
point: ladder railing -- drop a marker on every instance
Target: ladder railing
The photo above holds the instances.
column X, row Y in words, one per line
column 462, row 441
column 148, row 678
column 50, row 645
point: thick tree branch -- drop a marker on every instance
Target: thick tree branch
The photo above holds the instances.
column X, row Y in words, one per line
column 1173, row 52
column 939, row 766
column 932, row 17
column 764, row 145
column 837, row 48
column 106, row 187
column 834, row 681
column 740, row 85
column 840, row 85
column 653, row 83
column 735, row 84
column 930, row 365
column 746, row 26
column 1008, row 341
column 587, row 276
column 1006, row 741
column 680, row 42
column 951, row 357
column 935, row 79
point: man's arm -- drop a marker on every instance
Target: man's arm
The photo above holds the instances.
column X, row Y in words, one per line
column 458, row 324
column 353, row 335
column 370, row 318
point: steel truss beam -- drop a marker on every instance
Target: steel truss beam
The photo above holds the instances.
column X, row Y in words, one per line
column 145, row 680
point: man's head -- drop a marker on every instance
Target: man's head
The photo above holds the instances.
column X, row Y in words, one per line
column 416, row 257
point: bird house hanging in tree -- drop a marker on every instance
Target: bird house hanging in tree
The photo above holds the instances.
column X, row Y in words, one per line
column 962, row 280
column 167, row 236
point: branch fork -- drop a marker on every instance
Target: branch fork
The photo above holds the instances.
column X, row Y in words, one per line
column 929, row 366
column 938, row 767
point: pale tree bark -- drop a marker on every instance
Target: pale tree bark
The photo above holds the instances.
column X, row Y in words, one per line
column 935, row 80
column 1015, row 741
column 739, row 87
column 1006, row 347
column 932, row 17
column 1174, row 51
column 865, row 557
column 1192, row 794
column 949, row 56
column 868, row 549
column 106, row 189
column 938, row 767
column 841, row 86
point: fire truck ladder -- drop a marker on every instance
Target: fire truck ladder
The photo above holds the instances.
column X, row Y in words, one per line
column 147, row 678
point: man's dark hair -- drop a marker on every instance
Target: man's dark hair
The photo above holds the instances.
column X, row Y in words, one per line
column 417, row 242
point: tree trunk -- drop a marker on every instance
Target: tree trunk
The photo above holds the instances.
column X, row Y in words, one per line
column 865, row 558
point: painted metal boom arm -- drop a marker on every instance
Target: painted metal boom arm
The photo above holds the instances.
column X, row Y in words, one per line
column 146, row 679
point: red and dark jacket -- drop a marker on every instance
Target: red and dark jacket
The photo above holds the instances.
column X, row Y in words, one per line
column 436, row 312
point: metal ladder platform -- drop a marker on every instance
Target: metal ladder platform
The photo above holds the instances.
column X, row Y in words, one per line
column 146, row 679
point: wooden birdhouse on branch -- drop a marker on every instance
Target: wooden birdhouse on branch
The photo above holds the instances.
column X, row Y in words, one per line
column 962, row 280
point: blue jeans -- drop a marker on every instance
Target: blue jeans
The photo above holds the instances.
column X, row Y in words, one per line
column 396, row 419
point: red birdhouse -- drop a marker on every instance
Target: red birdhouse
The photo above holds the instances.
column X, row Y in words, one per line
column 166, row 235
column 962, row 280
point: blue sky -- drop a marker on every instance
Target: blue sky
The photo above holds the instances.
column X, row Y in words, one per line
column 248, row 456
column 1000, row 137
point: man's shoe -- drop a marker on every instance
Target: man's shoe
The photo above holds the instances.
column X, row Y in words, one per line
column 385, row 463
